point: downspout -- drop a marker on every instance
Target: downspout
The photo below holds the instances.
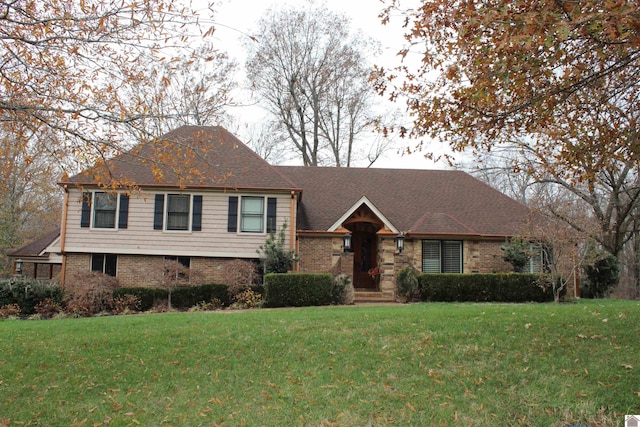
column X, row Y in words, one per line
column 292, row 234
column 63, row 235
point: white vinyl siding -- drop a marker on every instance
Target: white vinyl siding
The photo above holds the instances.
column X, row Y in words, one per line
column 141, row 239
column 441, row 256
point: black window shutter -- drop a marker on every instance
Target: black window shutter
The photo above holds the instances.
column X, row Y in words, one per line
column 85, row 218
column 196, row 221
column 271, row 214
column 158, row 212
column 123, row 215
column 232, row 219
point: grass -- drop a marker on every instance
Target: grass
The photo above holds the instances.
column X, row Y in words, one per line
column 418, row 364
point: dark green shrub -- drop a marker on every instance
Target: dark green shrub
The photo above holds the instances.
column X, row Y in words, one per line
column 600, row 277
column 188, row 296
column 147, row 296
column 297, row 289
column 510, row 287
column 27, row 294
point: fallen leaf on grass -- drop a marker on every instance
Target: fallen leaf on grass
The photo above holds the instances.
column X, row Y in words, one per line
column 627, row 366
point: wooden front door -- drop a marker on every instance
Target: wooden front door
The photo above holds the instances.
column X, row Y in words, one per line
column 365, row 257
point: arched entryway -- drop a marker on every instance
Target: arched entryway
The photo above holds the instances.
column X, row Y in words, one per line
column 364, row 225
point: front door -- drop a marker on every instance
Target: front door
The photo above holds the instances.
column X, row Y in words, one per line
column 365, row 257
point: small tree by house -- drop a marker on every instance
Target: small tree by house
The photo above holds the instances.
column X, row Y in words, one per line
column 516, row 252
column 274, row 257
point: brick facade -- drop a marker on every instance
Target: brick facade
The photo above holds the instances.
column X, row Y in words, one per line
column 138, row 270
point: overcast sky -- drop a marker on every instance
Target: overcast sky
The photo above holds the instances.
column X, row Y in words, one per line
column 236, row 18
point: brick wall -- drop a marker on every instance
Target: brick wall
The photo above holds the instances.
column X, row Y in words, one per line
column 139, row 270
column 319, row 254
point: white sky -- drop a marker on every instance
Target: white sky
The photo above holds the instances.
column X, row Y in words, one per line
column 237, row 17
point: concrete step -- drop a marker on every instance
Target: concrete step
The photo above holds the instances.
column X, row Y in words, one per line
column 373, row 297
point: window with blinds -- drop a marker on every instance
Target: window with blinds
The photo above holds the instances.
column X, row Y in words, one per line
column 178, row 206
column 441, row 256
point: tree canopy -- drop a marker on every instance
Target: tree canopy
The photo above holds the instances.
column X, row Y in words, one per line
column 74, row 72
column 312, row 73
column 547, row 69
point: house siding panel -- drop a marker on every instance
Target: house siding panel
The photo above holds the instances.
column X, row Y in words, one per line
column 140, row 238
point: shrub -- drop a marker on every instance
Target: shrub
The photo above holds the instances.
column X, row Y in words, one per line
column 239, row 275
column 407, row 283
column 510, row 287
column 27, row 293
column 9, row 311
column 601, row 277
column 214, row 304
column 248, row 299
column 189, row 296
column 88, row 293
column 342, row 291
column 297, row 289
column 127, row 303
column 147, row 297
column 48, row 308
column 273, row 256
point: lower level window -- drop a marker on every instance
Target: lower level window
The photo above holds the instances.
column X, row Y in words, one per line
column 104, row 263
column 442, row 256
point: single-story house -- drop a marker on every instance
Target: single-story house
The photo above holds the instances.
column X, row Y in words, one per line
column 40, row 259
column 365, row 222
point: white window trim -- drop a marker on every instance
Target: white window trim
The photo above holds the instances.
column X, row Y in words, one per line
column 165, row 221
column 263, row 232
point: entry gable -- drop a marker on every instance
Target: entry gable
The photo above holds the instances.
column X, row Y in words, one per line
column 363, row 201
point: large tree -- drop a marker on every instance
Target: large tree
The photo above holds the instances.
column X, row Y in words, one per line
column 73, row 72
column 490, row 70
column 313, row 76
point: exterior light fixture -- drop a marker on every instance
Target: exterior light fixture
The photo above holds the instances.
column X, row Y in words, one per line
column 18, row 266
column 400, row 242
column 346, row 241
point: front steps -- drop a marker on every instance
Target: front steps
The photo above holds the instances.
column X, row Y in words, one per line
column 373, row 297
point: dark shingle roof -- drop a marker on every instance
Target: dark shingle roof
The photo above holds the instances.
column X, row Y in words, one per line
column 190, row 156
column 416, row 201
column 35, row 248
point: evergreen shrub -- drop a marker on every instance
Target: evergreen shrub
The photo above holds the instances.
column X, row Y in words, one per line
column 297, row 289
column 507, row 287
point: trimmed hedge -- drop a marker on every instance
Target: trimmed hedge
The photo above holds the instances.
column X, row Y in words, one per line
column 27, row 293
column 189, row 296
column 509, row 287
column 147, row 296
column 297, row 289
column 182, row 297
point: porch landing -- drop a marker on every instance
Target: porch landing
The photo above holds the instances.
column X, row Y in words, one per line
column 366, row 296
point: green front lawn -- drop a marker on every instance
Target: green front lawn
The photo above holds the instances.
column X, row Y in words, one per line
column 417, row 364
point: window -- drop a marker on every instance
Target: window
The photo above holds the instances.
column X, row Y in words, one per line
column 442, row 256
column 177, row 270
column 104, row 263
column 252, row 215
column 104, row 210
column 539, row 260
column 177, row 212
column 99, row 210
column 178, row 206
column 250, row 211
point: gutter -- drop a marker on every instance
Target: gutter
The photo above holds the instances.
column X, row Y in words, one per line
column 63, row 234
